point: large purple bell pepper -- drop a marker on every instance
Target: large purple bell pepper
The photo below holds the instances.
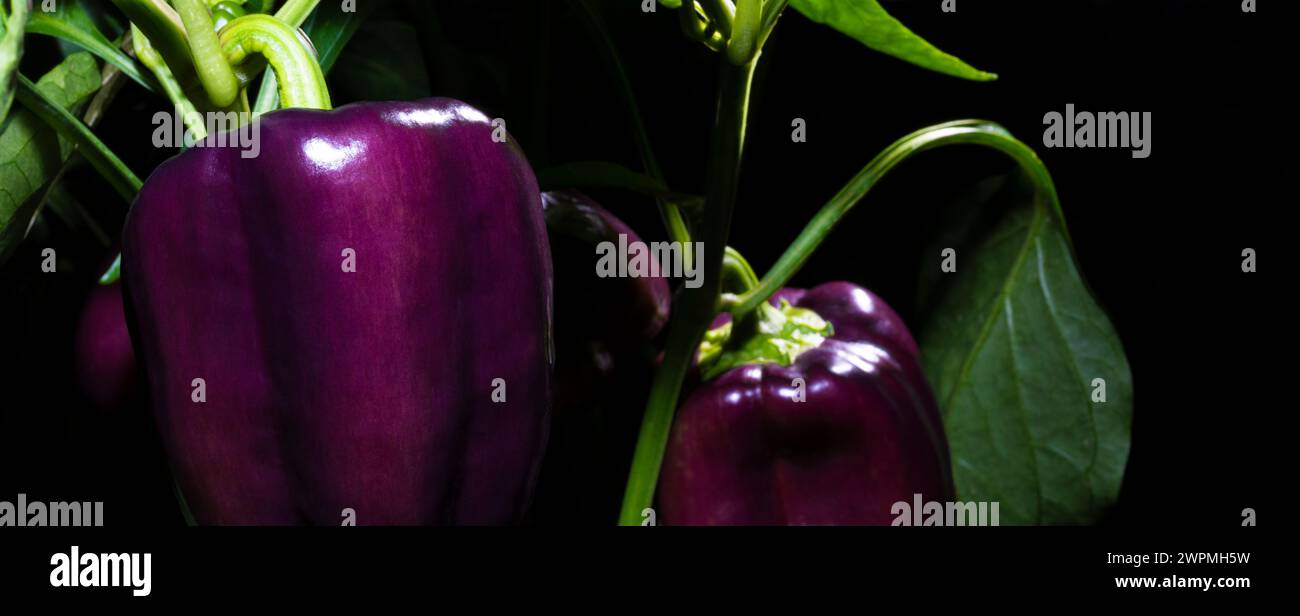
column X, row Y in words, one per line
column 412, row 390
column 867, row 433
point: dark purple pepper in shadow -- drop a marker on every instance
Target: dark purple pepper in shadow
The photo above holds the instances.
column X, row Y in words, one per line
column 104, row 361
column 605, row 357
column 745, row 450
column 412, row 390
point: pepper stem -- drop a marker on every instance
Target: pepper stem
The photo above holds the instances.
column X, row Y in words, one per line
column 153, row 60
column 745, row 31
column 215, row 73
column 298, row 75
column 163, row 26
column 737, row 278
column 296, row 11
column 976, row 132
column 694, row 309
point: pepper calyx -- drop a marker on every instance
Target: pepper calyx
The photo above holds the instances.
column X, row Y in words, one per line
column 779, row 335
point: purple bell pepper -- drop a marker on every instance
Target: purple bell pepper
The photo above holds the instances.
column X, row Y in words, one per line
column 367, row 303
column 601, row 323
column 104, row 361
column 838, row 433
column 605, row 359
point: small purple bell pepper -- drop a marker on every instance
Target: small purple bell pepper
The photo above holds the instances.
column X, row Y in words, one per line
column 823, row 417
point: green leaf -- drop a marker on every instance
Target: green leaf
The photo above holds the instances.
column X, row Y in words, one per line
column 599, row 174
column 1013, row 343
column 383, row 62
column 31, row 153
column 866, row 22
column 11, row 51
column 330, row 29
column 70, row 22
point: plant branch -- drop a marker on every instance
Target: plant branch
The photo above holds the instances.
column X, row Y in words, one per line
column 301, row 82
column 215, row 73
column 976, row 132
column 694, row 309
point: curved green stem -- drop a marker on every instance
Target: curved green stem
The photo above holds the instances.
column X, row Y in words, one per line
column 736, row 271
column 268, row 95
column 976, row 132
column 163, row 27
column 301, row 83
column 721, row 13
column 153, row 60
column 745, row 31
column 215, row 73
column 694, row 309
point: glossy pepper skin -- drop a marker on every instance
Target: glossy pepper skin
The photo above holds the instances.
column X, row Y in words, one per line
column 605, row 330
column 370, row 390
column 743, row 450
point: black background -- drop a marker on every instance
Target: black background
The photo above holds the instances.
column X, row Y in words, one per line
column 1158, row 239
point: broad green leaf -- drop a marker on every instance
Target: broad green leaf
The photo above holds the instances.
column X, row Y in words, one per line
column 866, row 22
column 70, row 22
column 599, row 174
column 1014, row 343
column 31, row 153
column 11, row 51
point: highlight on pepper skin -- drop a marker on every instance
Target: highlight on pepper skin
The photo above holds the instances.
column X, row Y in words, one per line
column 317, row 264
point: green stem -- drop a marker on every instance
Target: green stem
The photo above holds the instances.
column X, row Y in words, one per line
column 976, row 132
column 268, row 96
column 697, row 26
column 745, row 31
column 163, row 27
column 153, row 60
column 294, row 12
column 103, row 160
column 736, row 272
column 694, row 309
column 215, row 73
column 722, row 14
column 672, row 215
column 301, row 82
column 108, row 165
